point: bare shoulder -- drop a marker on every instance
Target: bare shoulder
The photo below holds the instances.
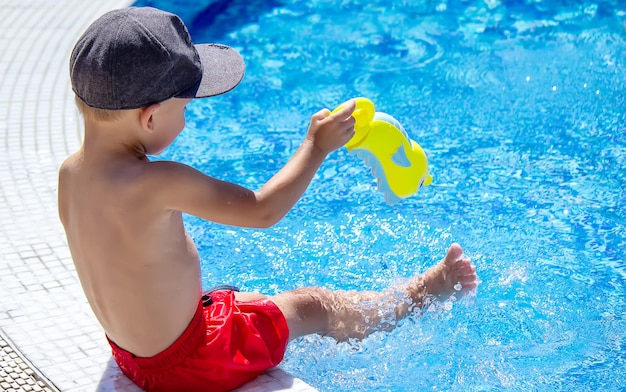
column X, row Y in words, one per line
column 175, row 177
column 169, row 168
column 168, row 180
column 168, row 173
column 67, row 171
column 68, row 164
column 67, row 185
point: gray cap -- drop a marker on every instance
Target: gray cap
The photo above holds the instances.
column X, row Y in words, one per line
column 134, row 57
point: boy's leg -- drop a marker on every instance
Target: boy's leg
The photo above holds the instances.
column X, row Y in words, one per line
column 248, row 296
column 351, row 314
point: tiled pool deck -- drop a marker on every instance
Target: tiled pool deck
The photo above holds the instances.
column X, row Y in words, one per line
column 50, row 338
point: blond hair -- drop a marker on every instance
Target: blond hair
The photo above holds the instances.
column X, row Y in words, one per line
column 90, row 113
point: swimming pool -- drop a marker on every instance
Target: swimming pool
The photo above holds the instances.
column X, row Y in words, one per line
column 520, row 108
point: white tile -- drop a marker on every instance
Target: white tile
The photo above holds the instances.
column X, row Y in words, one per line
column 42, row 306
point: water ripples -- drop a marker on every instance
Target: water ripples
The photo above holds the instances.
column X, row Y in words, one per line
column 520, row 110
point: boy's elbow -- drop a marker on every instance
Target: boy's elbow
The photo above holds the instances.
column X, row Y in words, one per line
column 269, row 214
column 268, row 220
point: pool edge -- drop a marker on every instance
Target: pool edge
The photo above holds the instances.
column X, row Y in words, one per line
column 48, row 325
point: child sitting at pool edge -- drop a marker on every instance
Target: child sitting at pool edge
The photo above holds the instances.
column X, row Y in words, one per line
column 133, row 71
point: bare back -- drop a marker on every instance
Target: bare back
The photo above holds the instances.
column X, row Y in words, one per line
column 136, row 263
column 123, row 217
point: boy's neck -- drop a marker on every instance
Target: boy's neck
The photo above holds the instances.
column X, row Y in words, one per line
column 113, row 138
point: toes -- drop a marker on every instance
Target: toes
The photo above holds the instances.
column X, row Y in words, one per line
column 461, row 267
column 466, row 279
column 467, row 268
column 466, row 274
column 469, row 286
column 454, row 254
column 469, row 280
column 455, row 247
column 464, row 266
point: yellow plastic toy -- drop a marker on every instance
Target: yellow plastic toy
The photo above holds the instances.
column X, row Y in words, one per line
column 398, row 163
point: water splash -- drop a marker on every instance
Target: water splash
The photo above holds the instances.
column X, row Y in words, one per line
column 530, row 180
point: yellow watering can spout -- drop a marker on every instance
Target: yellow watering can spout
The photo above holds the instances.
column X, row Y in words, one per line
column 398, row 162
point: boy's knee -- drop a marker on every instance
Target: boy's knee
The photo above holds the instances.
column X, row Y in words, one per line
column 307, row 309
column 312, row 301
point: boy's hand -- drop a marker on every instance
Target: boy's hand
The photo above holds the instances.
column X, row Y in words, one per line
column 331, row 131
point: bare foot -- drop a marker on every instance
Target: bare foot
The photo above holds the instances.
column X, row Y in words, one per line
column 455, row 269
column 454, row 273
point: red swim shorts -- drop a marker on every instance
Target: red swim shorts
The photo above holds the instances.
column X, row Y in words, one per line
column 227, row 344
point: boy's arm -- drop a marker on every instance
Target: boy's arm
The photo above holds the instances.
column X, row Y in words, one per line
column 190, row 191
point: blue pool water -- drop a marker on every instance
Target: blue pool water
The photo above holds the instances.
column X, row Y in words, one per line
column 520, row 106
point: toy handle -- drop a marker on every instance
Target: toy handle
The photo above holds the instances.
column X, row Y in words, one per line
column 363, row 114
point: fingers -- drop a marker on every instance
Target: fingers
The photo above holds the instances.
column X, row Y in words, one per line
column 349, row 124
column 346, row 110
column 343, row 117
column 322, row 114
column 344, row 113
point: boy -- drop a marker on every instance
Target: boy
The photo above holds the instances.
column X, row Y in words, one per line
column 133, row 72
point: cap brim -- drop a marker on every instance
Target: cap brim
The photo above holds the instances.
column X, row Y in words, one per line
column 222, row 69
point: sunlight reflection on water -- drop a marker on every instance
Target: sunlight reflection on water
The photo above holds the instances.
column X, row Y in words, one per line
column 520, row 110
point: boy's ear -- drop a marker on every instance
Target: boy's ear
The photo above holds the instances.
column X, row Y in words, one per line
column 146, row 117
